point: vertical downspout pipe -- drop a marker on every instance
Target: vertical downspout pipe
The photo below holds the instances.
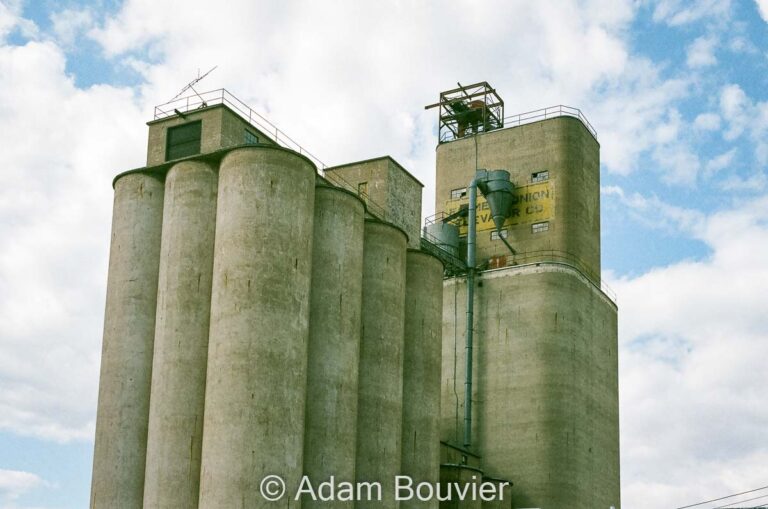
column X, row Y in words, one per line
column 471, row 236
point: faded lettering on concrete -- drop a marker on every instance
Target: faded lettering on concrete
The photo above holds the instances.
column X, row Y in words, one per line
column 530, row 204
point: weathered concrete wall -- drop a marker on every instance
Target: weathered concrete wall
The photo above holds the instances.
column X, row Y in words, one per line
column 404, row 202
column 181, row 338
column 373, row 173
column 546, row 404
column 453, row 364
column 564, row 147
column 233, row 129
column 394, row 195
column 129, row 329
column 257, row 355
column 334, row 340
column 380, row 387
column 421, row 371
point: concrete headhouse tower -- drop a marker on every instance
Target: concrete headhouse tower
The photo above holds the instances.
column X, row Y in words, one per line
column 544, row 378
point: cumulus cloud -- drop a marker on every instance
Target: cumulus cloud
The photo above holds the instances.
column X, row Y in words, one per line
column 683, row 12
column 11, row 20
column 707, row 122
column 62, row 146
column 762, row 6
column 755, row 183
column 721, row 162
column 69, row 24
column 701, row 52
column 691, row 376
column 14, row 483
column 742, row 114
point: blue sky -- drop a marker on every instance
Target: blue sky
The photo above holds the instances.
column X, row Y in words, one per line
column 677, row 91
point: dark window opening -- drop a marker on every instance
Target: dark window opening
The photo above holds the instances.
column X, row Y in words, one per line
column 251, row 138
column 183, row 140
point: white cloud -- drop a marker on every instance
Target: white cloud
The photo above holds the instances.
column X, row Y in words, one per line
column 69, row 24
column 701, row 52
column 735, row 106
column 14, row 483
column 658, row 214
column 633, row 112
column 742, row 44
column 62, row 147
column 693, row 374
column 721, row 161
column 707, row 122
column 762, row 6
column 11, row 20
column 742, row 114
column 755, row 183
column 682, row 12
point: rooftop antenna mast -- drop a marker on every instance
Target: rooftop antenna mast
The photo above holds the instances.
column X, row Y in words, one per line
column 191, row 85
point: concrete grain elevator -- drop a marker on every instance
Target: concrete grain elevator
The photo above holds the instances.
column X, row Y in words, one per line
column 268, row 316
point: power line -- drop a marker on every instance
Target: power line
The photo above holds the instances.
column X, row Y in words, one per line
column 739, row 502
column 722, row 498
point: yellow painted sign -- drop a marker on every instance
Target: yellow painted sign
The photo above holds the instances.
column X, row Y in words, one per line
column 530, row 204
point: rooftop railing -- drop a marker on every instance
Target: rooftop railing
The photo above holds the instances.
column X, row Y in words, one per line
column 549, row 112
column 222, row 96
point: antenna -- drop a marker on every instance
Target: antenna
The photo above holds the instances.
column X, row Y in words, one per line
column 191, row 84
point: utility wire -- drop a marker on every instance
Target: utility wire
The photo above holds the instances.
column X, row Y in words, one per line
column 740, row 502
column 722, row 498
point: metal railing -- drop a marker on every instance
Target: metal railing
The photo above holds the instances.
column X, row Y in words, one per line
column 562, row 257
column 530, row 117
column 452, row 263
column 222, row 96
column 549, row 112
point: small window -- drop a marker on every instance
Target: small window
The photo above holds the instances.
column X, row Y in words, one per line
column 495, row 235
column 183, row 140
column 540, row 227
column 540, row 176
column 251, row 138
column 458, row 193
column 362, row 189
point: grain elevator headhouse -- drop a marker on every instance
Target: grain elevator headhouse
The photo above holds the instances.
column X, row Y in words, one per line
column 530, row 373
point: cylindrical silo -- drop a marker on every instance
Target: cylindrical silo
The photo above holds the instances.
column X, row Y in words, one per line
column 334, row 339
column 422, row 357
column 172, row 477
column 380, row 386
column 129, row 330
column 257, row 350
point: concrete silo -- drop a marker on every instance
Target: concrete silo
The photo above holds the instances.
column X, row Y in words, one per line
column 334, row 339
column 380, row 386
column 129, row 330
column 181, row 337
column 257, row 353
column 422, row 347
